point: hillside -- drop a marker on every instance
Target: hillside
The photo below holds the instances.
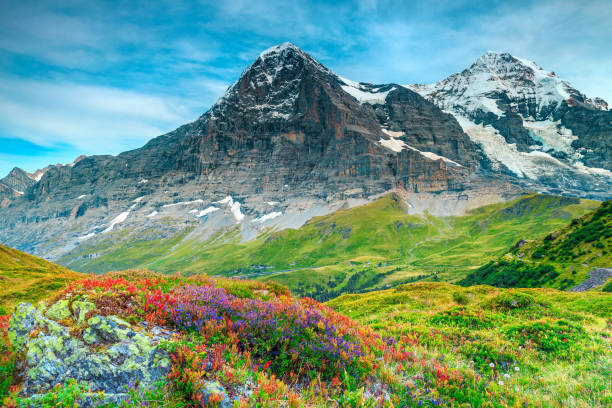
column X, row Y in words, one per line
column 561, row 259
column 169, row 341
column 352, row 249
column 548, row 345
column 26, row 278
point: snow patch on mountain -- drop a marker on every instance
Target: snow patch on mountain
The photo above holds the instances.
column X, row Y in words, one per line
column 530, row 165
column 592, row 170
column 37, row 175
column 397, row 145
column 548, row 88
column 118, row 219
column 207, row 211
column 152, row 214
column 365, row 94
column 463, row 93
column 234, row 207
column 87, row 236
column 267, row 217
column 392, row 133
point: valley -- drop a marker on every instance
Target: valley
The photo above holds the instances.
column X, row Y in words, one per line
column 354, row 249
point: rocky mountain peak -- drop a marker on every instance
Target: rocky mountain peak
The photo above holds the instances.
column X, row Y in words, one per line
column 271, row 84
column 18, row 179
column 286, row 54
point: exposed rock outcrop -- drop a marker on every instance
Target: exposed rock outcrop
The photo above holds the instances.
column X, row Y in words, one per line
column 107, row 354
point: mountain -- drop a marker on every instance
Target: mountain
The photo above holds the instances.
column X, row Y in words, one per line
column 529, row 121
column 580, row 253
column 26, row 278
column 18, row 181
column 13, row 185
column 349, row 250
column 290, row 140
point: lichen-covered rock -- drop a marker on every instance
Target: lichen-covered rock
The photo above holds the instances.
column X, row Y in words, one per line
column 214, row 388
column 80, row 309
column 59, row 311
column 109, row 356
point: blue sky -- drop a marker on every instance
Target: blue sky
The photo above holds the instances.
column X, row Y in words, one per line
column 93, row 77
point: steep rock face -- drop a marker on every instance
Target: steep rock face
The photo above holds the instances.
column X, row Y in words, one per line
column 593, row 126
column 286, row 131
column 285, row 122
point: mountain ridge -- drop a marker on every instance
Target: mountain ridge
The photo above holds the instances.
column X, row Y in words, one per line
column 292, row 132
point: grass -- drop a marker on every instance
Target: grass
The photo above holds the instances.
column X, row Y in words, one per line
column 422, row 344
column 379, row 241
column 561, row 259
column 26, row 278
column 558, row 340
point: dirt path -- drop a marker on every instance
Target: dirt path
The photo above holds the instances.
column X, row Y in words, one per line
column 598, row 277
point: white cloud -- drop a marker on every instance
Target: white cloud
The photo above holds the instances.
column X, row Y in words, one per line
column 93, row 119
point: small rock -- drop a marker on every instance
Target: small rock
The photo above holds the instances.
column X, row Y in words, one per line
column 213, row 388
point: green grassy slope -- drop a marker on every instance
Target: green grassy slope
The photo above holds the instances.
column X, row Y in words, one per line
column 549, row 345
column 371, row 246
column 561, row 259
column 26, row 278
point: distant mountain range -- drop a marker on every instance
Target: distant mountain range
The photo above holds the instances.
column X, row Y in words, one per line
column 290, row 140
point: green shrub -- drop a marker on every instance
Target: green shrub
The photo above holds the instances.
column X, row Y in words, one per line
column 512, row 300
column 462, row 317
column 511, row 274
column 69, row 395
column 460, row 298
column 560, row 339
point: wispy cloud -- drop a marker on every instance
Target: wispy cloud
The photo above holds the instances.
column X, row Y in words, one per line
column 85, row 116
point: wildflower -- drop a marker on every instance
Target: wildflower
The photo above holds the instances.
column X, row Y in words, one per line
column 517, row 369
column 506, row 376
column 500, row 382
column 491, row 365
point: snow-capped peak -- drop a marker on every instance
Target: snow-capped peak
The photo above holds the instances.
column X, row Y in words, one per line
column 270, row 86
column 278, row 49
column 496, row 82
